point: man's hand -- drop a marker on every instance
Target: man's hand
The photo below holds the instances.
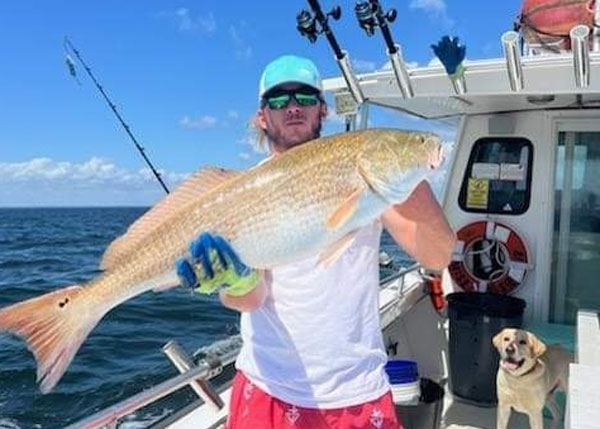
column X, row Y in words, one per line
column 214, row 265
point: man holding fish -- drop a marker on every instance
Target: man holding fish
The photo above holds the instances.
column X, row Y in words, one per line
column 293, row 243
column 313, row 354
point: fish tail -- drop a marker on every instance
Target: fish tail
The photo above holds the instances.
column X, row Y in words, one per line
column 54, row 326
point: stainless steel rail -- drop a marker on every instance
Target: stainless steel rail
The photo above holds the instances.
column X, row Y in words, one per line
column 205, row 370
column 109, row 417
column 399, row 274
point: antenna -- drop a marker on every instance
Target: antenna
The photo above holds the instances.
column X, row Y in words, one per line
column 70, row 48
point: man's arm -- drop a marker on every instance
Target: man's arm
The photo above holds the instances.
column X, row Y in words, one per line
column 419, row 226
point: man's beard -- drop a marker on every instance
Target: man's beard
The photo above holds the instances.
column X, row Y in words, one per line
column 281, row 142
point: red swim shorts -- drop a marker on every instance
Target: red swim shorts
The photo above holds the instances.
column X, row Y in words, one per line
column 251, row 408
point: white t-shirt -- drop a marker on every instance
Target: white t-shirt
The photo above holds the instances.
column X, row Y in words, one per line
column 316, row 341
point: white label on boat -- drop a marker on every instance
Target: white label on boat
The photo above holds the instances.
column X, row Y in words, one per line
column 520, row 265
column 485, row 170
column 512, row 172
column 516, row 274
column 502, row 233
column 459, row 247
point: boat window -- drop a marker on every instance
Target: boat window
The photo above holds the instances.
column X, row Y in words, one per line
column 498, row 176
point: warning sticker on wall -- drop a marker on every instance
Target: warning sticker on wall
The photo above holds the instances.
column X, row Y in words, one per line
column 477, row 193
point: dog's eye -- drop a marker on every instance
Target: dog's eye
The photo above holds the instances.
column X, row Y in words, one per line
column 523, row 342
column 506, row 339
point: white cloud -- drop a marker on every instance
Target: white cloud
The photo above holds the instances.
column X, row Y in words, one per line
column 188, row 23
column 250, row 142
column 202, row 122
column 363, row 66
column 208, row 23
column 435, row 61
column 435, row 9
column 409, row 65
column 95, row 170
column 244, row 155
column 433, row 6
column 334, row 118
column 242, row 49
column 97, row 181
column 233, row 114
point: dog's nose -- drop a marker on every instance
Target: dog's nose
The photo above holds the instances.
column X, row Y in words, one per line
column 510, row 350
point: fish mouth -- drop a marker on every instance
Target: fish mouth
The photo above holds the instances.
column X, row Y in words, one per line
column 511, row 364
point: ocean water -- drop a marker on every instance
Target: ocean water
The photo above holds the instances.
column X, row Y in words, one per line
column 42, row 249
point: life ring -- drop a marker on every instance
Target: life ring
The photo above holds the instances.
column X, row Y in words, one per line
column 498, row 266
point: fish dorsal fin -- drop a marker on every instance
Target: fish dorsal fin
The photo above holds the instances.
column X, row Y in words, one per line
column 200, row 182
column 344, row 211
column 333, row 252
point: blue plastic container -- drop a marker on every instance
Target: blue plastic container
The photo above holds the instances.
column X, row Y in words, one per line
column 402, row 371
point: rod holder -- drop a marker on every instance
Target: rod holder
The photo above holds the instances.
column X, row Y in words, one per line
column 459, row 84
column 510, row 45
column 350, row 77
column 581, row 54
column 596, row 43
column 184, row 363
column 399, row 67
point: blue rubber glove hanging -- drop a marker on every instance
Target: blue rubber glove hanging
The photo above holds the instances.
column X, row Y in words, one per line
column 214, row 265
column 451, row 54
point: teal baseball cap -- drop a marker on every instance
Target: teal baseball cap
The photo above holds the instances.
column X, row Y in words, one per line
column 289, row 69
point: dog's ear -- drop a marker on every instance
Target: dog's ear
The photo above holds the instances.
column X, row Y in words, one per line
column 497, row 340
column 537, row 347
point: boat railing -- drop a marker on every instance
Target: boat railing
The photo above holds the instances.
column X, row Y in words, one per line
column 196, row 376
column 108, row 418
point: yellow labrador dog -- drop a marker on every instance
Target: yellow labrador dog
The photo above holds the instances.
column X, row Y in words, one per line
column 529, row 374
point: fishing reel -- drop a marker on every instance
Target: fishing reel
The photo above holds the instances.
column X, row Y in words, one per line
column 307, row 22
column 370, row 16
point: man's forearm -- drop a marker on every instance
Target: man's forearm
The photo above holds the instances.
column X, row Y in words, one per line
column 419, row 226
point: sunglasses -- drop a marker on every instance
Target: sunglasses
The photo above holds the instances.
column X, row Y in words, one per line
column 281, row 99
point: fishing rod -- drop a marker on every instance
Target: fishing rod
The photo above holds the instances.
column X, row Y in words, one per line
column 69, row 47
column 370, row 15
column 310, row 25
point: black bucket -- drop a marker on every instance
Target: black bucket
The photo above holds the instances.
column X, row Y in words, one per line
column 428, row 413
column 475, row 318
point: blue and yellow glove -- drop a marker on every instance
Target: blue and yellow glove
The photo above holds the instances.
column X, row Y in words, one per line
column 214, row 265
column 451, row 54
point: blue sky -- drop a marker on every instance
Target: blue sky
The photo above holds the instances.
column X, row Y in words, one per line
column 184, row 75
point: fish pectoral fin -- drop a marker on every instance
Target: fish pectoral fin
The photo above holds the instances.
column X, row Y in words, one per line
column 344, row 211
column 333, row 252
column 372, row 181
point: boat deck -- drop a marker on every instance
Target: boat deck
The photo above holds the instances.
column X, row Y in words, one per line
column 460, row 415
